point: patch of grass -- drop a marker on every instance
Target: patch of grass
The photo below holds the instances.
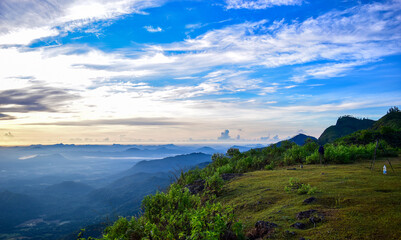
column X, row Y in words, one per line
column 356, row 203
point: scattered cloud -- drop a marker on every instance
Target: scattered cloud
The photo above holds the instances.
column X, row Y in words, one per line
column 153, row 29
column 32, row 99
column 260, row 4
column 8, row 134
column 224, row 135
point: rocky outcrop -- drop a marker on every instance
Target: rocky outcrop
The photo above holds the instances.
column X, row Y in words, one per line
column 262, row 229
column 196, row 187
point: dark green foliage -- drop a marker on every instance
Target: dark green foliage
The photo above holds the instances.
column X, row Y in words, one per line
column 176, row 214
column 232, row 152
column 387, row 128
column 363, row 137
column 345, row 125
column 392, row 120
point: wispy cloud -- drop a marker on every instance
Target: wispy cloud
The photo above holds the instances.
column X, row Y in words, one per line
column 22, row 22
column 260, row 4
column 6, row 117
column 153, row 29
column 124, row 121
column 33, row 99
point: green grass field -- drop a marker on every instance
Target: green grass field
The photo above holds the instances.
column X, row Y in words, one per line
column 356, row 203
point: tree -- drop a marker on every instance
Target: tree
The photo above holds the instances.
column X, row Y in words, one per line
column 232, row 152
column 393, row 109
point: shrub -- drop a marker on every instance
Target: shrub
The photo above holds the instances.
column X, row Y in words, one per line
column 314, row 158
column 270, row 166
column 215, row 183
column 219, row 160
column 228, row 168
column 295, row 185
column 295, row 154
column 244, row 164
column 176, row 215
column 306, row 189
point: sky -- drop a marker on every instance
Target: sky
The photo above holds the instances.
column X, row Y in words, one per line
column 146, row 71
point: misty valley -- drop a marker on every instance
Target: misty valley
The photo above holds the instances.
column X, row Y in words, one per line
column 51, row 192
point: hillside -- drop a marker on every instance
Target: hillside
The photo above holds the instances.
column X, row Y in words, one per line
column 351, row 201
column 125, row 195
column 387, row 128
column 68, row 188
column 12, row 204
column 392, row 120
column 345, row 125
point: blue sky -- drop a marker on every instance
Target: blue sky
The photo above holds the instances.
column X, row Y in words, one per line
column 130, row 71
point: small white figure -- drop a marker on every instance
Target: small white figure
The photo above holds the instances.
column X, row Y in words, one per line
column 384, row 169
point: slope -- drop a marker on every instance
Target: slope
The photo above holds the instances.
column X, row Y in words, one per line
column 345, row 125
column 351, row 201
column 392, row 120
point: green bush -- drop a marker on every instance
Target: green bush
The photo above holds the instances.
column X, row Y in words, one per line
column 295, row 154
column 228, row 168
column 215, row 183
column 314, row 158
column 270, row 166
column 306, row 189
column 244, row 164
column 176, row 215
column 295, row 185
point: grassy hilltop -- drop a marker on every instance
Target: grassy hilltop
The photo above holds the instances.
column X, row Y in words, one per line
column 355, row 202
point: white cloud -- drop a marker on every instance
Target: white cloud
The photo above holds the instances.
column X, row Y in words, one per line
column 260, row 4
column 323, row 71
column 22, row 22
column 153, row 29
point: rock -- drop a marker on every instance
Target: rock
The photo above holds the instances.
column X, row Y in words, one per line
column 229, row 176
column 196, row 187
column 298, row 225
column 291, row 169
column 229, row 235
column 310, row 200
column 305, row 214
column 315, row 220
column 289, row 233
column 261, row 229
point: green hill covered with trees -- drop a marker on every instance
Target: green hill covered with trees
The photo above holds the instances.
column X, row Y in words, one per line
column 345, row 125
